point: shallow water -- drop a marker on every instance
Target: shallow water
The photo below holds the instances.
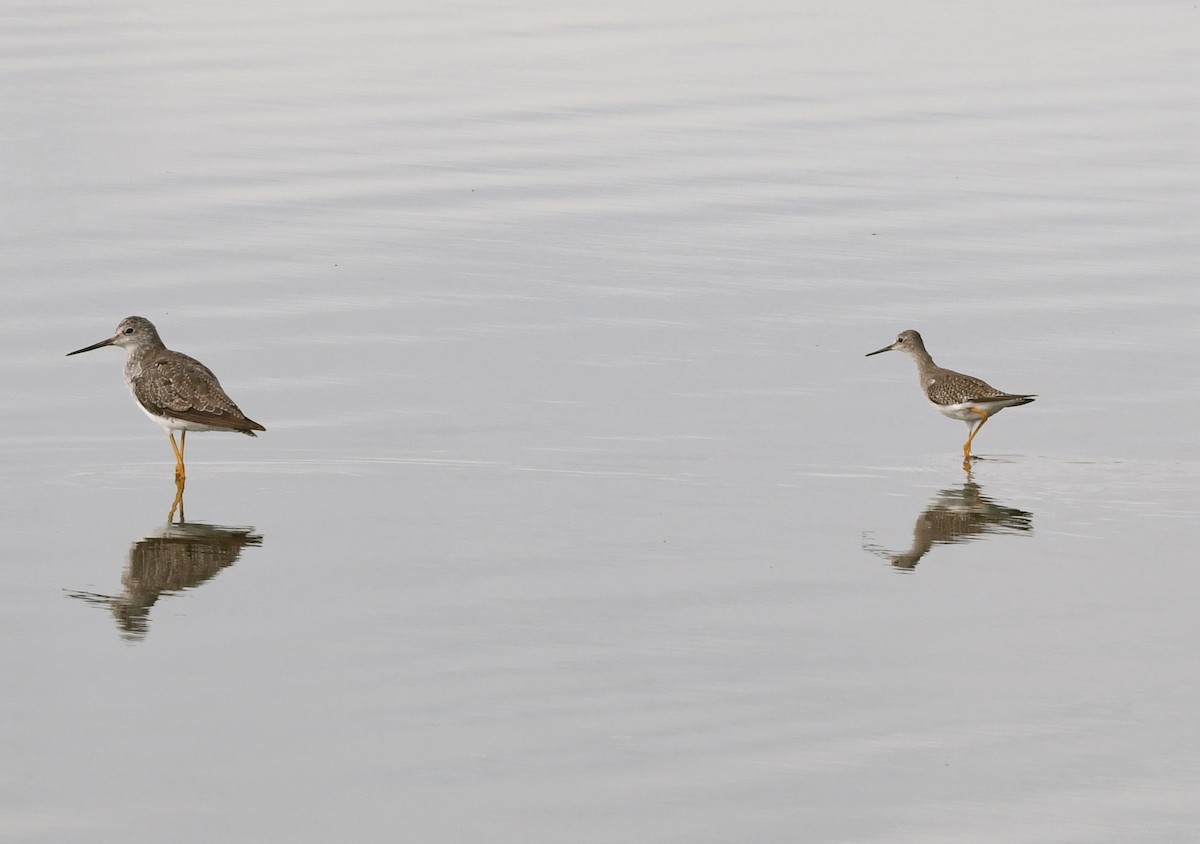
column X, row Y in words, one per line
column 580, row 514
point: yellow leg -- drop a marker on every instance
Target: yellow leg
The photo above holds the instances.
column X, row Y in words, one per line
column 983, row 417
column 180, row 472
column 177, row 504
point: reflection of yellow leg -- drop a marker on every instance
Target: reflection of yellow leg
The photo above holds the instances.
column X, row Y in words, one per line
column 983, row 417
column 180, row 472
column 177, row 504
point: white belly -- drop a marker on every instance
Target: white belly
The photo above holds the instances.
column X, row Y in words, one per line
column 178, row 424
column 964, row 413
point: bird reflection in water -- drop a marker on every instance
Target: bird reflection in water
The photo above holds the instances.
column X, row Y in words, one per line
column 172, row 559
column 956, row 514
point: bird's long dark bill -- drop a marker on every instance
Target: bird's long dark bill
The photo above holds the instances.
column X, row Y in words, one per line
column 99, row 345
column 868, row 354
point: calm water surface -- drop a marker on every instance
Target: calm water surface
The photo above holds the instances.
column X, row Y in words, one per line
column 580, row 515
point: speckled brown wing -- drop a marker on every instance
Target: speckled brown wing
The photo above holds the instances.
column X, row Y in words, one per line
column 949, row 387
column 176, row 385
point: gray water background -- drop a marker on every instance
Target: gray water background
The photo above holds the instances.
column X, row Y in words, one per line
column 580, row 515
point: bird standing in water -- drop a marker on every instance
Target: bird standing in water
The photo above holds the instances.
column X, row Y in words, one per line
column 953, row 394
column 176, row 391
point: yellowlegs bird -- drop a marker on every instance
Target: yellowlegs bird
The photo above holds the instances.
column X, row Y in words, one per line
column 176, row 391
column 951, row 393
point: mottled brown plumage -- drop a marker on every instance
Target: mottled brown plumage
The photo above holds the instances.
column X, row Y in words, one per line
column 174, row 385
column 958, row 396
column 175, row 390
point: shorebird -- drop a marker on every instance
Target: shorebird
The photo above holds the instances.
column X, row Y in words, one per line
column 176, row 391
column 953, row 394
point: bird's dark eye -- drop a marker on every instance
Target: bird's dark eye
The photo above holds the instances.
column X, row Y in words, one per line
column 129, row 330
